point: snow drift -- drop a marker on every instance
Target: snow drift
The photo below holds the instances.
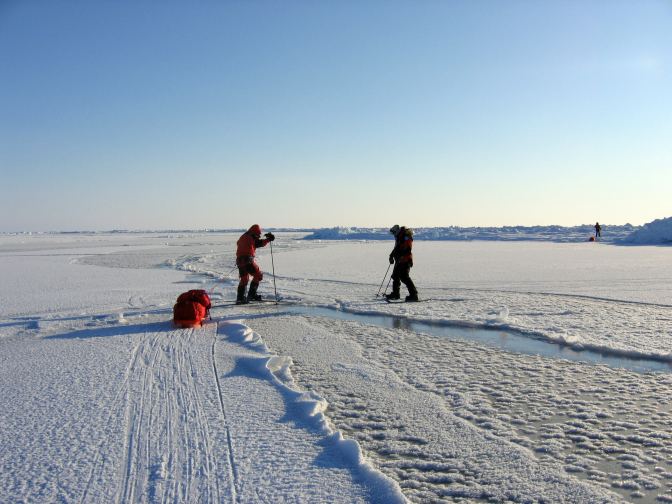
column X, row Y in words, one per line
column 562, row 234
column 653, row 233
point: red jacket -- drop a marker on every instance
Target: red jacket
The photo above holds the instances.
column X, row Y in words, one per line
column 248, row 243
column 403, row 246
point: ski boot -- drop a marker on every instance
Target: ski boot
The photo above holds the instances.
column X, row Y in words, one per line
column 412, row 298
column 392, row 296
column 241, row 299
column 252, row 295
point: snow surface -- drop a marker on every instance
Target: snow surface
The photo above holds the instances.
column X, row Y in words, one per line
column 103, row 400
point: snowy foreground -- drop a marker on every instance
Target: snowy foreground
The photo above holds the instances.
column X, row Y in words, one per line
column 104, row 401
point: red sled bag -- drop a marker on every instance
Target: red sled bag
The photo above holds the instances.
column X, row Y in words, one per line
column 191, row 308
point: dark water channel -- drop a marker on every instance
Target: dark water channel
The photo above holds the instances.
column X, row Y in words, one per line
column 504, row 340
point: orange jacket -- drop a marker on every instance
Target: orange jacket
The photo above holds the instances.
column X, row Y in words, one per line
column 249, row 242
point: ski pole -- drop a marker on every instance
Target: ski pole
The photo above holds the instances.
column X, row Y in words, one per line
column 388, row 285
column 381, row 283
column 273, row 265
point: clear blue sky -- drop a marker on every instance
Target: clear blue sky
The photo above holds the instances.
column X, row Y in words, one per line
column 136, row 114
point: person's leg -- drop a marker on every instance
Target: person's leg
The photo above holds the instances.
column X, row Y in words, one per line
column 396, row 283
column 406, row 279
column 242, row 285
column 257, row 276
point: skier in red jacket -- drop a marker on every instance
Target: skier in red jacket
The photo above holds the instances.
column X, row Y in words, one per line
column 402, row 256
column 247, row 245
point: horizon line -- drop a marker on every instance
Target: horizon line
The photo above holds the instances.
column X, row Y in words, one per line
column 298, row 229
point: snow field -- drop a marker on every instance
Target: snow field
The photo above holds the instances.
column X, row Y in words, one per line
column 103, row 400
column 147, row 413
column 405, row 425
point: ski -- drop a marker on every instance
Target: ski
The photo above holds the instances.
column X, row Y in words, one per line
column 253, row 303
column 403, row 301
column 272, row 301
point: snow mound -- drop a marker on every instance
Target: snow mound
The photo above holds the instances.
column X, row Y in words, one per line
column 653, row 233
column 349, row 233
column 610, row 233
column 312, row 408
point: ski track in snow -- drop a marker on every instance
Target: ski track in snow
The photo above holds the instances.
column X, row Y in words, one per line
column 172, row 449
column 232, row 465
column 193, row 415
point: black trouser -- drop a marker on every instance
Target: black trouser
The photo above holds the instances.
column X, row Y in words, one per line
column 401, row 273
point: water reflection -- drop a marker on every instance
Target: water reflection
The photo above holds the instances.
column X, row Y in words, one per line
column 505, row 340
column 401, row 323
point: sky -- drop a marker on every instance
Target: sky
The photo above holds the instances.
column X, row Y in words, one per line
column 138, row 114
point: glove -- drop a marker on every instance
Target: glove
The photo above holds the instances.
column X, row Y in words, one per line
column 270, row 236
column 391, row 260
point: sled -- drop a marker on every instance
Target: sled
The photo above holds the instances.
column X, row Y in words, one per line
column 191, row 309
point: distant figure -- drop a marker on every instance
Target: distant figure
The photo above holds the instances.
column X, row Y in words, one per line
column 247, row 246
column 402, row 256
column 598, row 230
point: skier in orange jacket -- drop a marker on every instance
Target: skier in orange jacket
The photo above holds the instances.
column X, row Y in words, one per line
column 247, row 266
